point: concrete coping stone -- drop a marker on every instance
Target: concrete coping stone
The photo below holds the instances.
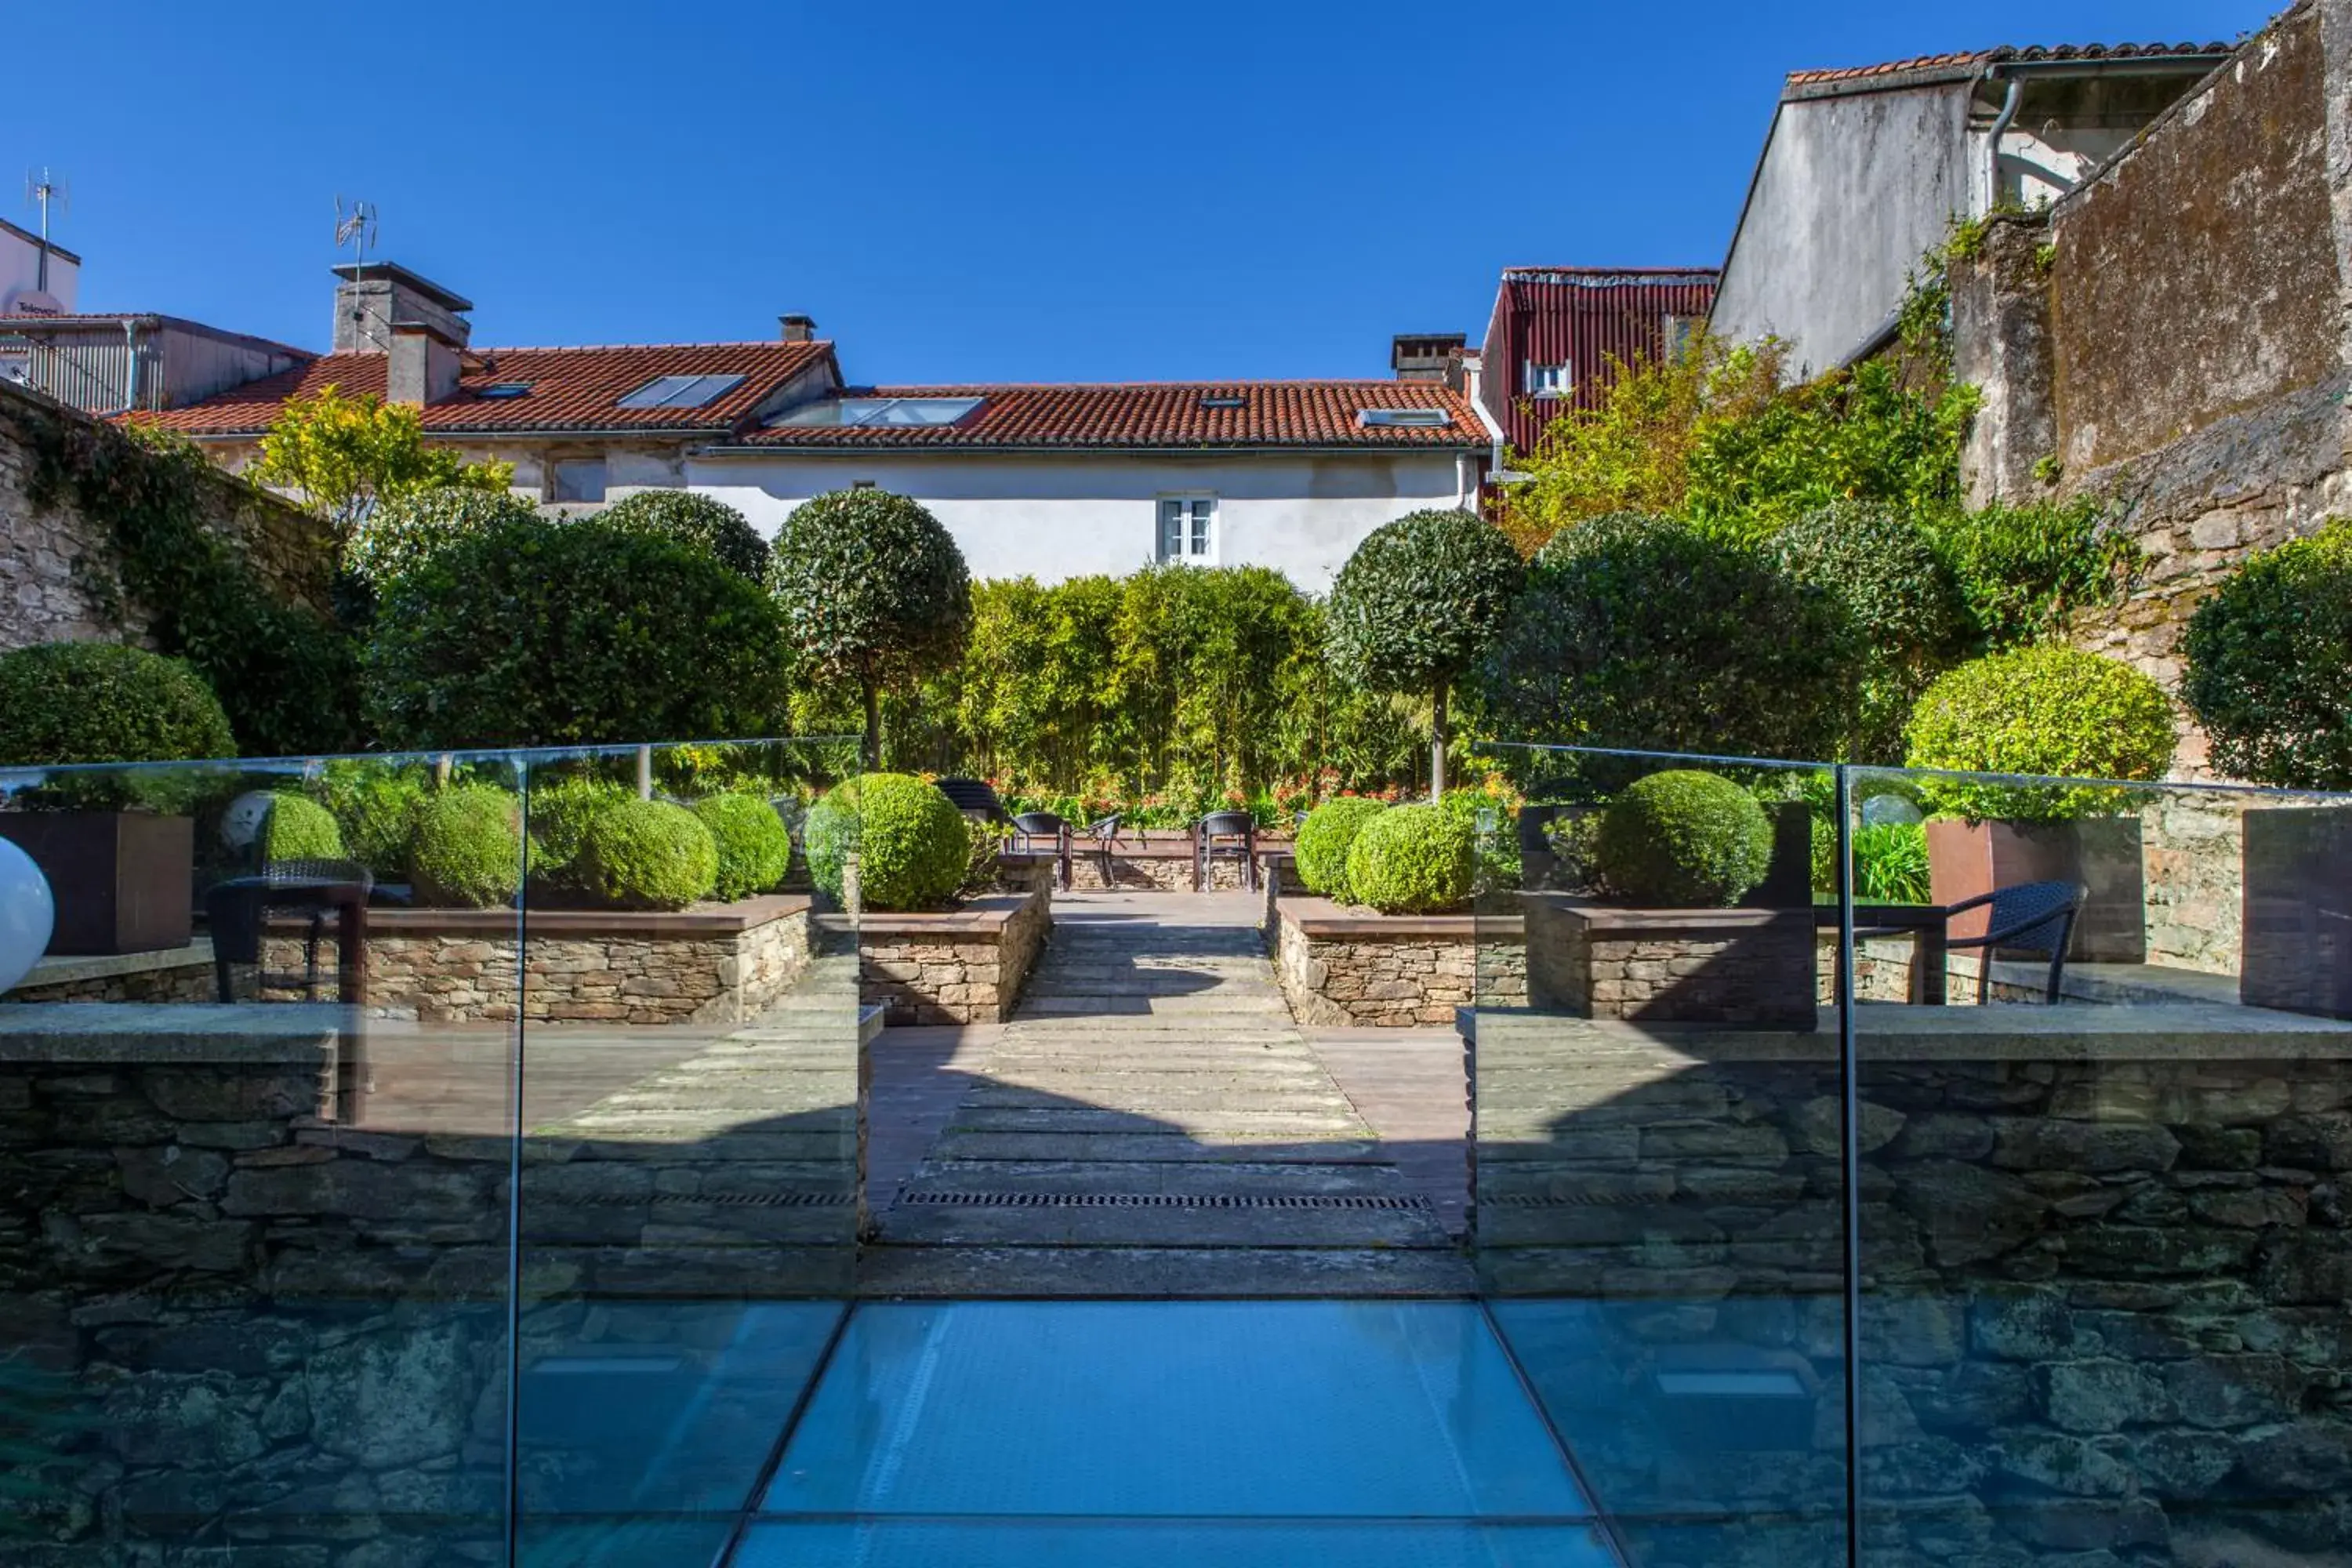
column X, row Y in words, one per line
column 984, row 917
column 1320, row 919
column 153, row 1034
column 701, row 921
column 69, row 970
column 1619, row 921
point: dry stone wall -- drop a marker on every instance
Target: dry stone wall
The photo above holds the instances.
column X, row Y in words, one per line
column 966, row 966
column 1347, row 969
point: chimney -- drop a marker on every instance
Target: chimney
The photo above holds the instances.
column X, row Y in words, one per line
column 376, row 297
column 796, row 328
column 1423, row 356
column 424, row 367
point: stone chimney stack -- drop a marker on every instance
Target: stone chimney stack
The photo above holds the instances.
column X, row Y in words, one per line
column 375, row 297
column 1421, row 356
column 796, row 328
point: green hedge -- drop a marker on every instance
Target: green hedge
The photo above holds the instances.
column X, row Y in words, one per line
column 1414, row 859
column 403, row 533
column 2048, row 711
column 913, row 846
column 103, row 702
column 1684, row 839
column 298, row 829
column 698, row 521
column 375, row 805
column 829, row 837
column 2270, row 665
column 467, row 850
column 1324, row 841
column 754, row 849
column 561, row 811
column 647, row 855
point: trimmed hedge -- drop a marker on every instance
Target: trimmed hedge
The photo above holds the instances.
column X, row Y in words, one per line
column 2050, row 712
column 104, row 702
column 561, row 811
column 375, row 806
column 697, row 521
column 829, row 837
column 1414, row 859
column 2270, row 665
column 1324, row 841
column 912, row 844
column 755, row 849
column 298, row 829
column 402, row 533
column 467, row 852
column 647, row 855
column 1683, row 838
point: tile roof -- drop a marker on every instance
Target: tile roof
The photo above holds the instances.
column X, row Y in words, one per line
column 571, row 389
column 1977, row 60
column 1157, row 415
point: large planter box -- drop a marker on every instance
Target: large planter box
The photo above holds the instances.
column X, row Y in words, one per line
column 1751, row 968
column 2297, row 953
column 124, row 881
column 2101, row 853
column 1347, row 968
column 964, row 965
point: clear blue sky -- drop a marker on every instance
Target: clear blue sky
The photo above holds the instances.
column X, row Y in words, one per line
column 1023, row 191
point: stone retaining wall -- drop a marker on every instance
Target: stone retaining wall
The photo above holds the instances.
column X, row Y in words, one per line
column 185, row 975
column 1347, row 968
column 960, row 966
column 1157, row 865
column 1728, row 966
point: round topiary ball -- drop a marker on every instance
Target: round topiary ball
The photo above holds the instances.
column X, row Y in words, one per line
column 1324, row 841
column 912, row 845
column 755, row 849
column 1684, row 839
column 104, row 702
column 829, row 837
column 298, row 829
column 2045, row 711
column 561, row 811
column 401, row 534
column 1414, row 859
column 647, row 855
column 467, row 849
column 712, row 526
column 2270, row 665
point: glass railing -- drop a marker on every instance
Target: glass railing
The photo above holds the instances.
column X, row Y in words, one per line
column 393, row 1171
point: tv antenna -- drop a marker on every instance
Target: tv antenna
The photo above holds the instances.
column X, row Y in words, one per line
column 356, row 226
column 44, row 191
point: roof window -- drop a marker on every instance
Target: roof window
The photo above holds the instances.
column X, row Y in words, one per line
column 679, row 392
column 505, row 389
column 871, row 412
column 1224, row 400
column 1405, row 418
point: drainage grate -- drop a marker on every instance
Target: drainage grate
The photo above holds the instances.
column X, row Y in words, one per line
column 1159, row 1201
column 1581, row 1200
column 782, row 1200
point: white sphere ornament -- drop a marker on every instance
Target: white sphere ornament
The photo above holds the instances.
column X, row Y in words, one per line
column 241, row 823
column 27, row 914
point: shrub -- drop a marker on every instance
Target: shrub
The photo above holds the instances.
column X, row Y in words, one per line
column 755, row 849
column 102, row 702
column 829, row 836
column 1890, row 861
column 912, row 844
column 1324, row 841
column 543, row 633
column 647, row 855
column 1414, row 859
column 1498, row 850
column 1684, row 839
column 561, row 811
column 1652, row 634
column 2270, row 665
column 698, row 521
column 402, row 533
column 2049, row 712
column 467, row 852
column 2023, row 571
column 874, row 593
column 375, row 805
column 298, row 829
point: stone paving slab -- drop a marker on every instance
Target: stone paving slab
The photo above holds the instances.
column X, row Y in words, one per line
column 1156, row 1273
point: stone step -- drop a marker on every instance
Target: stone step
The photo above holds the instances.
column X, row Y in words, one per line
column 1161, row 1176
column 1221, row 1121
column 1151, row 1273
column 1157, row 1146
column 945, row 1225
column 1199, row 1005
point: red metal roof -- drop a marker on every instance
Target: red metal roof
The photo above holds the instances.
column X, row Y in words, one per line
column 1171, row 415
column 1580, row 317
column 571, row 389
column 1977, row 60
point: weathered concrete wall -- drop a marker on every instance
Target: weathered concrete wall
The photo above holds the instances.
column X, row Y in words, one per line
column 58, row 581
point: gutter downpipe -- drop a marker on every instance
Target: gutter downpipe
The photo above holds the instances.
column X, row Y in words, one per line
column 130, row 367
column 2010, row 102
column 1474, row 378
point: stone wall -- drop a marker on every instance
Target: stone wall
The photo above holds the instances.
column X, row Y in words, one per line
column 962, row 966
column 1348, row 968
column 1730, row 966
column 1151, row 863
column 185, row 975
column 58, row 582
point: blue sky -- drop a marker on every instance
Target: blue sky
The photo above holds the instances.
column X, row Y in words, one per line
column 1031, row 190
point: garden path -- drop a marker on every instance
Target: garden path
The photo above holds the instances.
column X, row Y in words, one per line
column 1151, row 1123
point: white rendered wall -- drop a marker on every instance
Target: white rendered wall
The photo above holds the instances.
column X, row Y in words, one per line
column 20, row 268
column 1054, row 517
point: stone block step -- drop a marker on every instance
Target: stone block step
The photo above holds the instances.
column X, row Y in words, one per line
column 1149, row 1273
column 945, row 1225
column 1195, row 1121
column 1150, row 1146
column 1158, row 1176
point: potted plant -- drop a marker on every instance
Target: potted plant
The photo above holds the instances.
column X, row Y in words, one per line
column 2052, row 713
column 117, row 847
column 2269, row 664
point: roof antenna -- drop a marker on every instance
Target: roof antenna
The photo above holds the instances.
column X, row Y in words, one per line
column 356, row 226
column 43, row 190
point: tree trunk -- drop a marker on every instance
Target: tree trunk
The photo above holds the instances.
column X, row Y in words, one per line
column 873, row 726
column 1437, row 746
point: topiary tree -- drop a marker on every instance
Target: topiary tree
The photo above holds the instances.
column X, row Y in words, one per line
column 375, row 805
column 1651, row 635
column 1324, row 841
column 2270, row 665
column 538, row 633
column 647, row 855
column 298, row 829
column 874, row 591
column 103, row 702
column 400, row 533
column 755, row 849
column 712, row 526
column 912, row 844
column 1684, row 839
column 2044, row 711
column 467, row 850
column 1901, row 602
column 1416, row 604
column 1414, row 859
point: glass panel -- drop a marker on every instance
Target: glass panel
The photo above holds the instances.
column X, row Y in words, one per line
column 256, row 1137
column 2104, row 1261
column 1657, row 1207
column 655, row 394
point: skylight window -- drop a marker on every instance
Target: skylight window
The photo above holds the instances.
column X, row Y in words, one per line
column 880, row 412
column 680, row 391
column 1224, row 400
column 1405, row 418
column 506, row 389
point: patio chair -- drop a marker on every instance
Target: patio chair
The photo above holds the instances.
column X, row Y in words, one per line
column 237, row 913
column 974, row 797
column 1228, row 835
column 1104, row 831
column 2029, row 916
column 1033, row 829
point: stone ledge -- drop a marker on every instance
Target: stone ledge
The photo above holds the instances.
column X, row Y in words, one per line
column 990, row 914
column 1353, row 969
column 1320, row 919
column 143, row 1034
column 197, row 954
column 702, row 920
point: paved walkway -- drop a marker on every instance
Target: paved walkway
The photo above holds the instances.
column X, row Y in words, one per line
column 1150, row 1124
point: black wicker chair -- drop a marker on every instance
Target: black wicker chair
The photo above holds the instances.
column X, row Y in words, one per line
column 974, row 797
column 1227, row 835
column 1041, row 830
column 2030, row 917
column 236, row 912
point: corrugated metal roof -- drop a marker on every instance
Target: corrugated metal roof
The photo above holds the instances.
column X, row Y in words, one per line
column 1580, row 317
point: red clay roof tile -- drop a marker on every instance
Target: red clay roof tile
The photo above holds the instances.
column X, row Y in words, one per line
column 1982, row 58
